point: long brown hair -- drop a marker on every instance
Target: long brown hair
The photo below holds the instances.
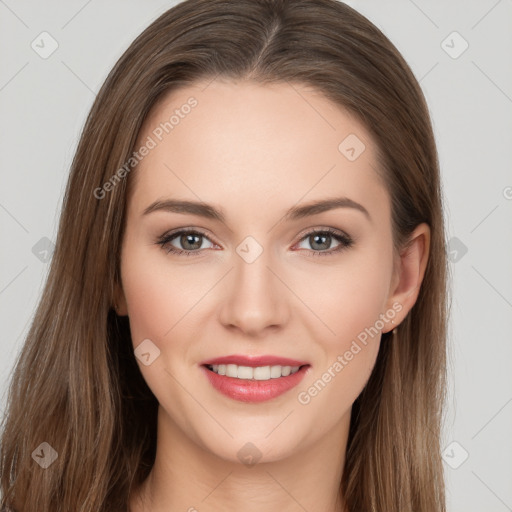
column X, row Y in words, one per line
column 76, row 384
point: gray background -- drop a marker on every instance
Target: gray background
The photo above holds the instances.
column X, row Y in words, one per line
column 44, row 102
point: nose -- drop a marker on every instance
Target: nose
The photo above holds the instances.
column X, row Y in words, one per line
column 256, row 299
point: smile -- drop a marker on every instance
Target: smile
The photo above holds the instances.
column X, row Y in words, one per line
column 254, row 384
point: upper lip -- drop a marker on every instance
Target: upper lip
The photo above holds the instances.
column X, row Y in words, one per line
column 243, row 360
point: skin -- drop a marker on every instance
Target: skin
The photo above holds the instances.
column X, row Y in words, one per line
column 242, row 147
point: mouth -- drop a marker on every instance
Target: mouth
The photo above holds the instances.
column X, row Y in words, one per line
column 255, row 383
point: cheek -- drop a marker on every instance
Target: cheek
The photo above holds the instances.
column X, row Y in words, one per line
column 350, row 296
column 349, row 352
column 349, row 299
column 166, row 303
column 158, row 296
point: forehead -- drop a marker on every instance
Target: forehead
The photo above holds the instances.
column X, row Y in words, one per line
column 241, row 142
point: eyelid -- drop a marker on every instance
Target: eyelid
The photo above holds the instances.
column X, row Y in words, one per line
column 166, row 238
column 345, row 239
column 187, row 229
column 322, row 229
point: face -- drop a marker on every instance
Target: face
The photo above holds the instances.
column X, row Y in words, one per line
column 261, row 275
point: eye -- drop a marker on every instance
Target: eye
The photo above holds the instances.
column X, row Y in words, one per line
column 190, row 240
column 321, row 239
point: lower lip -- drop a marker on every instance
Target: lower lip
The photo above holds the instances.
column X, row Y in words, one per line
column 254, row 391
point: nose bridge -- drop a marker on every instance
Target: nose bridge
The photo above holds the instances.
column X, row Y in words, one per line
column 256, row 297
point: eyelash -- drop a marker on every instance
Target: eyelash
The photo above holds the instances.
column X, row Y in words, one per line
column 164, row 241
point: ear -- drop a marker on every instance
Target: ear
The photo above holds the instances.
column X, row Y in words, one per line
column 408, row 274
column 120, row 300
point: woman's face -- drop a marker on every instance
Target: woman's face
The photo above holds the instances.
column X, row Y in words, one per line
column 247, row 159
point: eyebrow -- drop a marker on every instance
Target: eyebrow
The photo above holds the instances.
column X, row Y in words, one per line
column 294, row 213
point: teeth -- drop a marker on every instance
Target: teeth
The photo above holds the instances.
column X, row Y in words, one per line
column 256, row 373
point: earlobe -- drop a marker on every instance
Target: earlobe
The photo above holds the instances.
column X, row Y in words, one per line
column 410, row 273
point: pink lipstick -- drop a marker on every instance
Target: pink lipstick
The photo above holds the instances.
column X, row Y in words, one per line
column 254, row 379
